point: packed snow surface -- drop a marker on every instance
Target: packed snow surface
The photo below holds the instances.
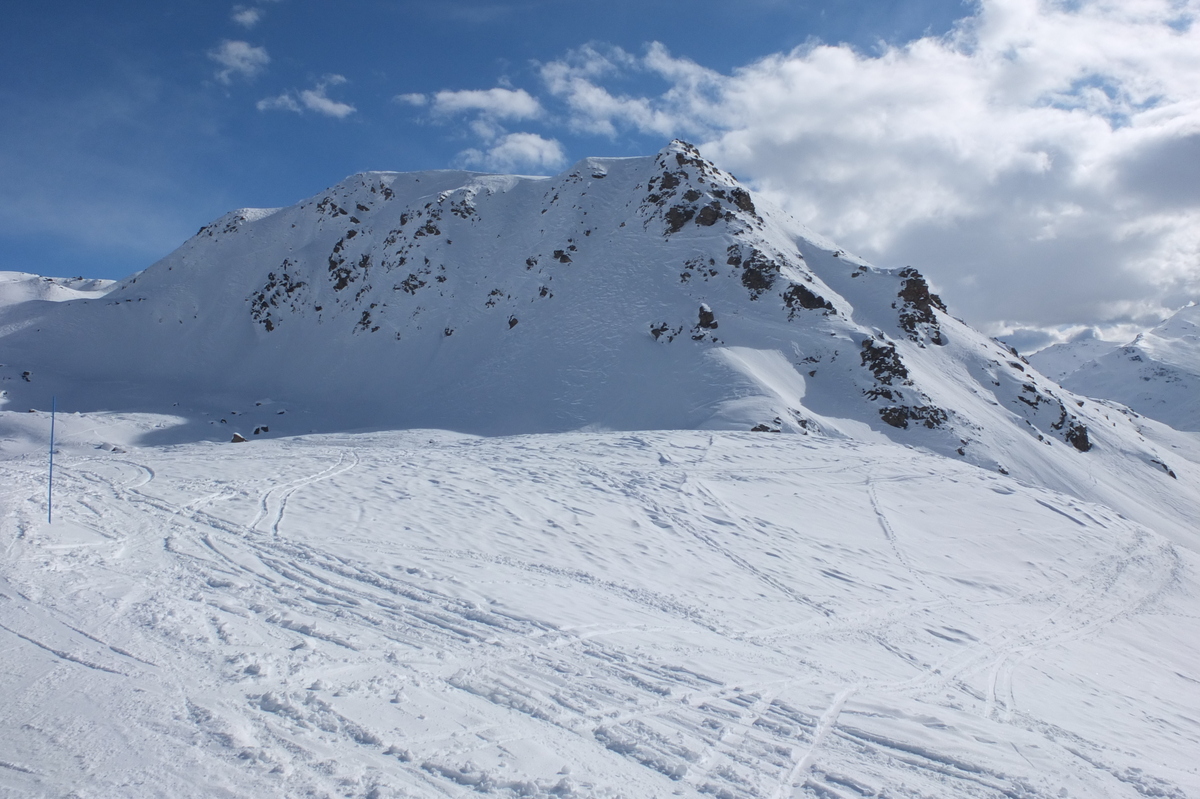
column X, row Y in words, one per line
column 641, row 614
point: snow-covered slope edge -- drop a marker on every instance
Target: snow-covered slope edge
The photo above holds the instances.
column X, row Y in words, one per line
column 581, row 615
column 639, row 293
column 1157, row 374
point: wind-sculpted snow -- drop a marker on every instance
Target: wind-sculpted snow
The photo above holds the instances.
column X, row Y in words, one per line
column 590, row 615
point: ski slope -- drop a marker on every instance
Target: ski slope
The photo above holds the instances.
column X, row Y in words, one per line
column 606, row 614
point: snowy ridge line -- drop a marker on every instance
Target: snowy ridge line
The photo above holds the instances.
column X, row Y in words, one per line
column 1156, row 374
column 632, row 294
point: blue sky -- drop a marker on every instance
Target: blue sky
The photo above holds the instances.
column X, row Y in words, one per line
column 961, row 137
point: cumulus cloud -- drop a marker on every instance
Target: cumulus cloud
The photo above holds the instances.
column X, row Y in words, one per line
column 314, row 99
column 1040, row 161
column 491, row 104
column 515, row 152
column 247, row 17
column 239, row 58
column 593, row 109
column 483, row 112
column 495, row 103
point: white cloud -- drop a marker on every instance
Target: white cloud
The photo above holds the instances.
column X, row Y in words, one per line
column 284, row 102
column 593, row 109
column 500, row 150
column 515, row 152
column 1041, row 162
column 494, row 103
column 314, row 99
column 247, row 17
column 239, row 58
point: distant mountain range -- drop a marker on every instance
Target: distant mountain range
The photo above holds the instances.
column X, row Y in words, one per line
column 1158, row 373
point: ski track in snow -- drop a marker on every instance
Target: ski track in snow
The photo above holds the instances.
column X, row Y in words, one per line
column 273, row 503
column 585, row 615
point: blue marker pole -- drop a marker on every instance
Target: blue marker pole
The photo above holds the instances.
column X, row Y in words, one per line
column 50, row 482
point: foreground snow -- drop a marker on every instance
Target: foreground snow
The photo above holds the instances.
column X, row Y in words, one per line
column 585, row 614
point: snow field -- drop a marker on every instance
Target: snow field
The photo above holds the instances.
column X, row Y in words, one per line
column 640, row 614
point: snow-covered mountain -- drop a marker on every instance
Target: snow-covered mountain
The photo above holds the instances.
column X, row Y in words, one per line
column 635, row 293
column 1158, row 373
column 867, row 551
column 625, row 293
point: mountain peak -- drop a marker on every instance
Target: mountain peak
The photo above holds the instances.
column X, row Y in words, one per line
column 623, row 293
